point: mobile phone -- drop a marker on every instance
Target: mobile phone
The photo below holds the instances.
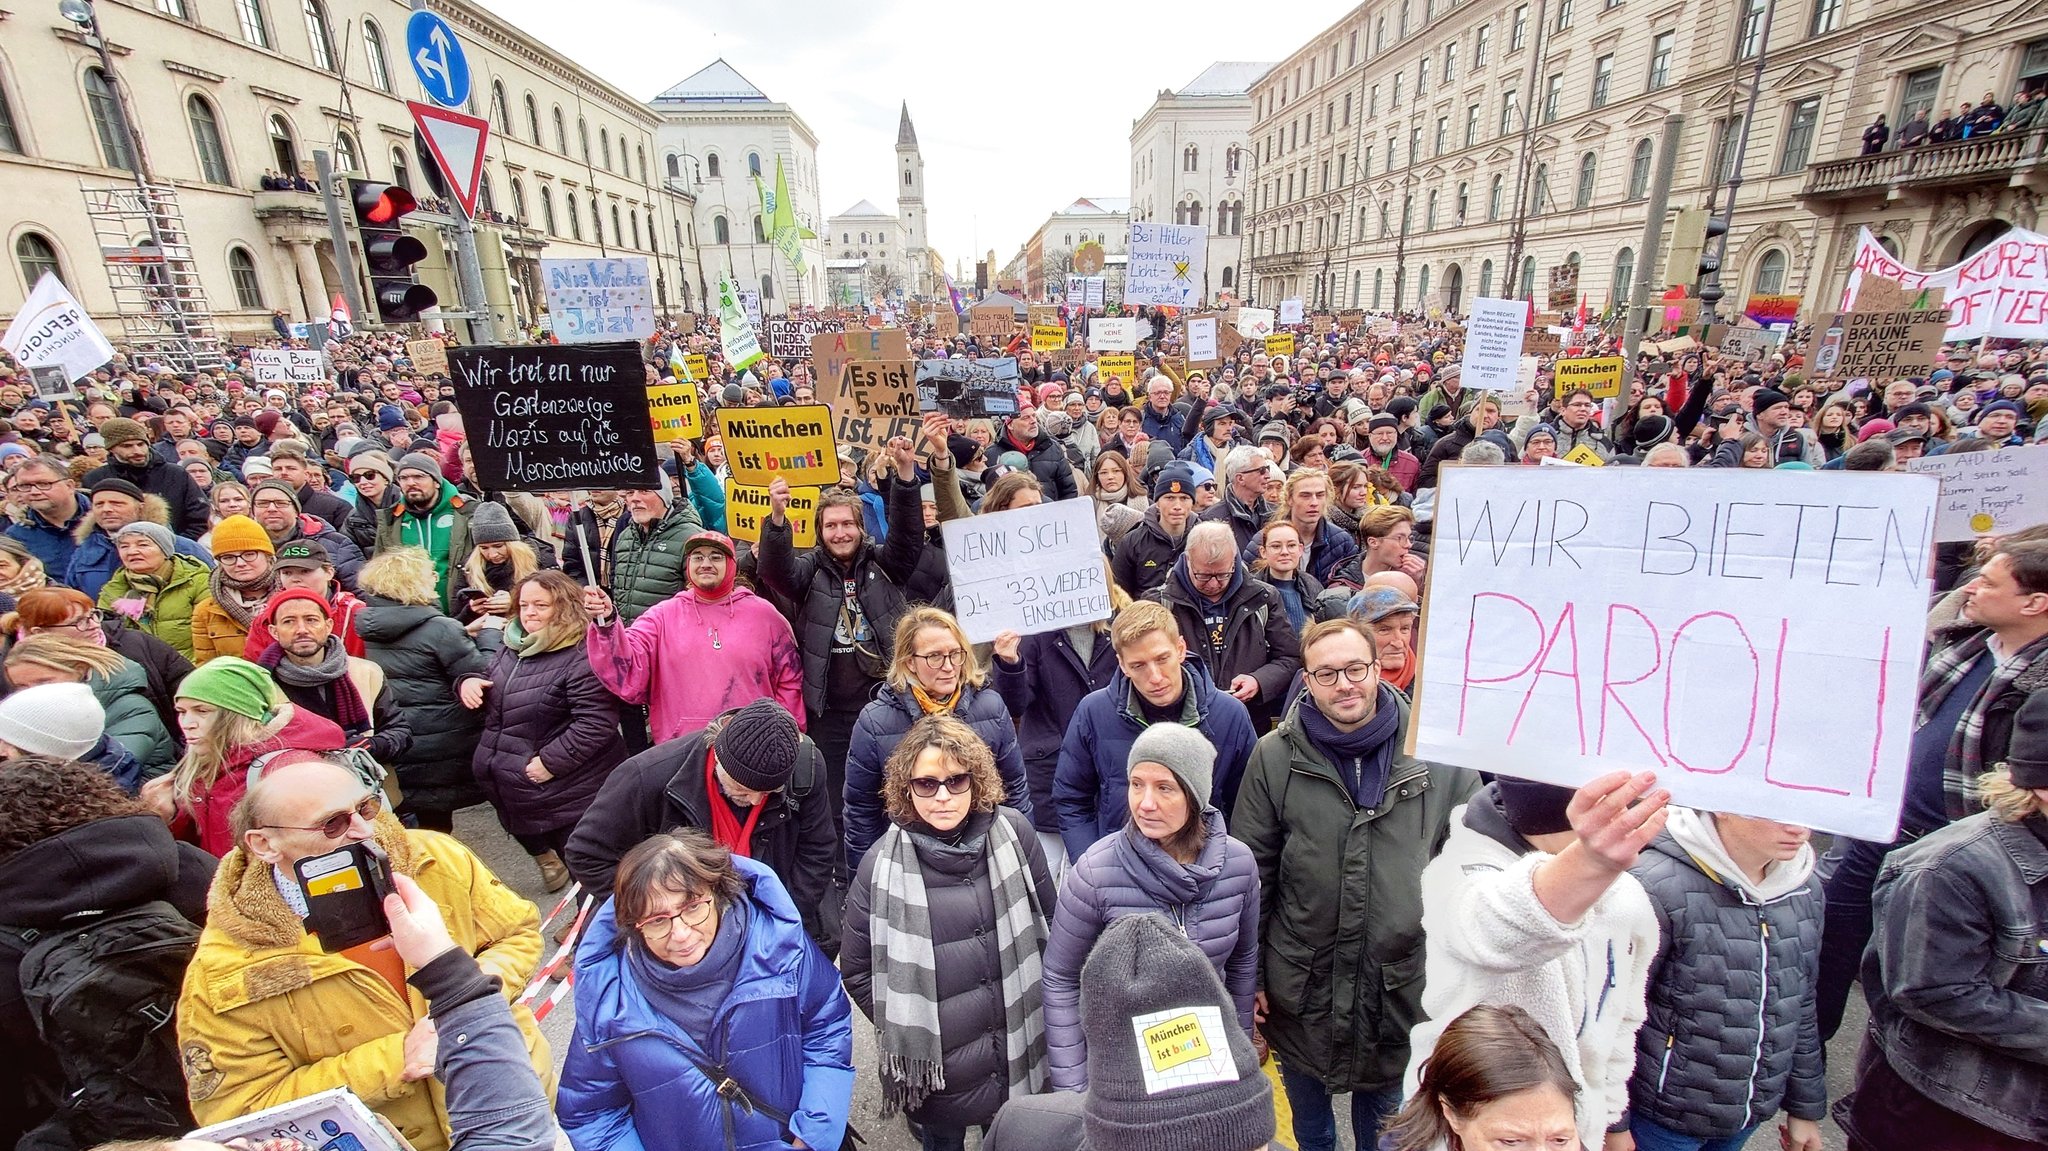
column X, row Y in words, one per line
column 345, row 892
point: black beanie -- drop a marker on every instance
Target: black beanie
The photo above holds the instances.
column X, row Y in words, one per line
column 1651, row 430
column 1766, row 399
column 757, row 747
column 1534, row 808
column 2027, row 755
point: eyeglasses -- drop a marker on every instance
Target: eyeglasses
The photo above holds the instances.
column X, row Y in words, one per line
column 359, row 477
column 32, row 485
column 925, row 787
column 1210, row 577
column 335, row 826
column 1356, row 673
column 941, row 660
column 87, row 623
column 657, row 928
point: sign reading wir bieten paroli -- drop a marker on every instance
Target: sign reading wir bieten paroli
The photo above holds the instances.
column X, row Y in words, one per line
column 542, row 417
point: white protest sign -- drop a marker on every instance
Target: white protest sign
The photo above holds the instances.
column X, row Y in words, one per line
column 1291, row 311
column 1168, row 264
column 335, row 1118
column 1987, row 493
column 594, row 300
column 1029, row 570
column 1201, row 346
column 286, row 365
column 1113, row 335
column 736, row 339
column 52, row 328
column 2001, row 291
column 1753, row 637
column 1254, row 323
column 1097, row 294
column 1493, row 343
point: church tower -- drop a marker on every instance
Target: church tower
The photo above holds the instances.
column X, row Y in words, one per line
column 910, row 203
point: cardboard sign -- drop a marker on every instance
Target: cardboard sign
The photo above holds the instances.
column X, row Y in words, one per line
column 789, row 339
column 1322, row 323
column 1493, row 344
column 332, row 1119
column 1583, row 620
column 1542, row 343
column 1748, row 343
column 675, row 413
column 1122, row 365
column 1113, row 334
column 549, row 417
column 991, row 321
column 872, row 402
column 1201, row 342
column 746, row 509
column 946, row 323
column 596, row 299
column 1987, row 493
column 1280, row 344
column 1291, row 311
column 1167, row 264
column 1044, row 314
column 1027, row 570
column 1048, row 337
column 286, row 365
column 1351, row 318
column 1600, row 375
column 832, row 351
column 1254, row 323
column 428, row 356
column 1088, row 259
column 969, row 389
column 686, row 324
column 1879, row 346
column 793, row 442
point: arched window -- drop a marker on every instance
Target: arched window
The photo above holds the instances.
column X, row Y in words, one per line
column 532, row 118
column 99, row 99
column 1890, row 246
column 767, row 287
column 1234, row 156
column 1195, row 212
column 1528, row 289
column 547, row 211
column 400, row 174
column 1379, row 284
column 561, row 133
column 283, row 149
column 1624, row 274
column 1770, row 272
column 604, row 146
column 1639, row 170
column 373, row 51
column 674, row 164
column 1493, row 197
column 484, row 198
column 1429, row 213
column 596, row 220
column 1230, row 276
column 518, row 201
column 635, row 218
column 575, row 218
column 1539, row 190
column 10, row 133
column 1422, row 286
column 213, row 157
column 346, row 158
column 1486, row 277
column 618, row 235
column 1190, row 159
column 318, row 36
column 753, row 163
column 711, row 165
column 906, row 177
column 760, row 233
column 37, row 256
column 242, row 271
column 1589, row 171
column 721, row 232
column 583, row 137
column 501, row 109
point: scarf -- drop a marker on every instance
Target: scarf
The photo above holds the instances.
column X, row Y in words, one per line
column 1947, row 668
column 906, row 985
column 548, row 639
column 1363, row 758
column 330, row 673
column 691, row 996
column 241, row 600
column 726, row 827
column 29, row 578
column 931, row 706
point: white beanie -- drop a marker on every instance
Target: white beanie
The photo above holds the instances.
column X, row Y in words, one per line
column 63, row 720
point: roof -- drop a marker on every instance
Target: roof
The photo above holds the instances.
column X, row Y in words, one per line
column 1097, row 206
column 906, row 136
column 1225, row 78
column 716, row 81
column 864, row 208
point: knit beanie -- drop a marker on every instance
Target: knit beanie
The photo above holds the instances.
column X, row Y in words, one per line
column 492, row 524
column 1534, row 808
column 240, row 534
column 277, row 486
column 232, row 684
column 1652, row 430
column 1766, row 399
column 2026, row 758
column 286, row 595
column 371, row 462
column 390, row 419
column 118, row 486
column 420, row 462
column 120, row 430
column 156, row 534
column 757, row 747
column 1151, row 1002
column 63, row 720
column 267, row 421
column 1185, row 752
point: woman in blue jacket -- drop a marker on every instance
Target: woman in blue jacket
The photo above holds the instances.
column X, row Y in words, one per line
column 710, row 980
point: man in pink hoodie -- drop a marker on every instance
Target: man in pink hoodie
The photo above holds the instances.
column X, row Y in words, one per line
column 708, row 649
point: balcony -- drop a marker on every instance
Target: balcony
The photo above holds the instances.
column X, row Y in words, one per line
column 2015, row 158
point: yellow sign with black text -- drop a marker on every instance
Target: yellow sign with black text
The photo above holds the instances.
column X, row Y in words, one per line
column 746, row 509
column 794, row 443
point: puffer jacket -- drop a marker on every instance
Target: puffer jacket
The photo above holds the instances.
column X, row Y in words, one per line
column 166, row 610
column 550, row 705
column 1043, row 689
column 1214, row 900
column 1049, row 465
column 163, row 668
column 1144, row 556
column 647, row 562
column 48, row 542
column 658, row 660
column 784, row 1031
column 94, row 559
column 424, row 654
column 883, row 724
column 973, row 1027
column 1732, row 1034
column 132, row 719
column 1258, row 640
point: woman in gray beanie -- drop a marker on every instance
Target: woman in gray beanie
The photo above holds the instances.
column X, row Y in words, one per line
column 155, row 589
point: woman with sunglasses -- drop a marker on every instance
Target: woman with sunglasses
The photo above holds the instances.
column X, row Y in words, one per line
column 961, row 885
column 705, row 1017
column 934, row 672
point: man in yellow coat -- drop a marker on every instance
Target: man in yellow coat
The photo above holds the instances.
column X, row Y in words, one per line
column 266, row 1016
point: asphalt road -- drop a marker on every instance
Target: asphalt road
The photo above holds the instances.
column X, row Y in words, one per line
column 478, row 828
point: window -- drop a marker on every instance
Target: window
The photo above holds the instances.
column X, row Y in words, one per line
column 518, row 201
column 1190, row 159
column 1379, row 278
column 1660, row 58
column 1422, row 76
column 1429, row 212
column 1233, row 158
column 213, row 158
column 547, row 211
column 575, row 216
column 1443, row 135
column 254, row 28
column 1639, row 170
column 99, row 98
column 1827, row 16
column 1386, row 220
column 242, row 272
column 1347, row 109
column 760, row 233
column 1414, row 146
column 767, row 287
column 1519, row 35
column 1326, row 176
column 1727, row 139
column 1422, row 285
column 640, row 153
column 1494, row 193
column 1507, row 113
column 1397, row 90
column 1624, row 274
column 1564, row 14
column 596, row 220
column 711, row 165
column 1528, row 277
column 1365, row 162
column 171, row 8
column 604, row 143
column 380, row 67
column 635, row 218
column 583, row 137
column 753, row 164
column 485, row 199
column 37, row 257
column 10, row 134
column 1539, row 190
column 1918, row 94
column 1799, row 136
column 1481, row 41
column 1464, row 200
column 399, row 174
column 282, row 148
column 674, row 164
column 1770, row 272
column 318, row 37
column 1589, row 170
column 561, row 133
column 501, row 110
column 1603, row 79
column 532, row 118
column 1350, row 58
column 618, row 237
column 1486, row 278
column 1749, row 35
column 1553, row 94
column 1471, row 125
column 1451, row 62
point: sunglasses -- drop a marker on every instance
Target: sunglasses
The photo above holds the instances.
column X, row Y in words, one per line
column 335, row 826
column 926, row 787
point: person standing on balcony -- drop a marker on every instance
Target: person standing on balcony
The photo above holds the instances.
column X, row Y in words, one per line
column 1915, row 132
column 1949, row 128
column 1875, row 136
column 1986, row 119
column 2025, row 113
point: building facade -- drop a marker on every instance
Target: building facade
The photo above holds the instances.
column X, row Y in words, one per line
column 1191, row 163
column 1040, row 267
column 1397, row 155
column 867, row 252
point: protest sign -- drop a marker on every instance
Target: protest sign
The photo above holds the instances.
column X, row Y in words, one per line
column 969, row 389
column 1048, row 337
column 1987, row 493
column 1600, row 375
column 1089, row 258
column 1254, row 323
column 1881, row 346
column 1542, row 343
column 332, row 1120
column 1028, row 570
column 1748, row 343
column 832, row 351
column 793, row 442
column 1280, row 344
column 52, row 382
column 991, row 321
column 546, row 416
column 2001, row 291
column 1493, row 343
column 946, row 322
column 1113, row 334
column 1877, row 294
column 750, row 305
column 1201, row 342
column 52, row 327
column 1773, row 309
column 1583, row 456
column 1122, row 365
column 595, row 299
column 1322, row 323
column 1167, row 264
column 674, row 411
column 1068, row 359
column 686, row 324
column 1351, row 318
column 1583, row 620
column 1291, row 311
column 746, row 509
column 286, row 365
column 429, row 356
column 790, row 339
column 873, row 401
column 698, row 365
column 736, row 338
column 1044, row 314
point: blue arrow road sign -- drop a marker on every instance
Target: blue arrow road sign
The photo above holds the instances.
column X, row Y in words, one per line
column 437, row 59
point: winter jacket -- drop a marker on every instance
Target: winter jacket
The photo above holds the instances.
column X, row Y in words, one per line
column 602, row 553
column 667, row 660
column 663, row 788
column 1214, row 900
column 1257, row 638
column 388, row 734
column 347, row 557
column 397, row 527
column 48, row 542
column 1329, row 550
column 647, row 561
column 1403, row 466
column 267, row 1016
column 215, row 633
column 1732, row 1034
column 132, row 719
column 973, row 1024
column 424, row 654
column 1569, row 441
column 1957, row 981
column 1043, row 689
column 703, row 491
column 332, row 511
column 883, row 724
column 784, row 1032
column 1144, row 556
column 205, row 821
column 94, row 559
column 552, row 706
column 162, row 667
column 189, row 512
column 166, row 611
column 1049, row 463
column 1319, row 603
column 1245, row 522
column 109, row 864
column 1090, row 788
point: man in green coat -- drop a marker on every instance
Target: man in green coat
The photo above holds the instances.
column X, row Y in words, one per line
column 430, row 514
column 647, row 550
column 1342, row 822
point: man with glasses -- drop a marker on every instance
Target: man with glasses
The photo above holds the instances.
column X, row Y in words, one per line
column 51, row 507
column 1236, row 625
column 268, row 1016
column 1355, row 819
column 274, row 504
column 116, row 503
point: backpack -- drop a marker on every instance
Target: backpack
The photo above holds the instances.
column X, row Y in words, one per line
column 103, row 991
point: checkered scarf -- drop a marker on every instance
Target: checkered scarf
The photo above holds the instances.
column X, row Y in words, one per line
column 1945, row 669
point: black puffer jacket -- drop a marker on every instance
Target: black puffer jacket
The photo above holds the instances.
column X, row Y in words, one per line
column 1255, row 639
column 423, row 654
column 1049, row 464
column 883, row 724
column 552, row 706
column 972, row 1024
column 1144, row 556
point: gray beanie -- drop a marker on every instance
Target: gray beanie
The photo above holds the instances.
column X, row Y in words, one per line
column 63, row 720
column 492, row 524
column 1185, row 752
column 420, row 462
column 1143, row 966
column 157, row 534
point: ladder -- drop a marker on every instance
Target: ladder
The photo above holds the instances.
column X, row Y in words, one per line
column 147, row 252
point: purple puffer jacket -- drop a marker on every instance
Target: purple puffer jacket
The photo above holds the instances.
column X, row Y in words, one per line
column 1215, row 900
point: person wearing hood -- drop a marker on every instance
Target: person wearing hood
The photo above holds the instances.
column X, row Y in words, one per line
column 131, row 461
column 1237, row 626
column 114, row 505
column 1220, row 425
column 156, row 589
column 1731, row 1036
column 1145, row 556
column 430, row 515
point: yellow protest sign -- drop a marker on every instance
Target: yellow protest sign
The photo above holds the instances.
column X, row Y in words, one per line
column 1122, row 365
column 675, row 413
column 1280, row 344
column 1048, row 337
column 1600, row 375
column 794, row 443
column 1175, row 1041
column 746, row 509
column 698, row 365
column 1584, row 456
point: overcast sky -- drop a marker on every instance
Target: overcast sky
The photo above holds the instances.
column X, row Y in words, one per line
column 1020, row 109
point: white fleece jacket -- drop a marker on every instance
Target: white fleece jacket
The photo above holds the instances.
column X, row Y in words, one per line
column 1488, row 939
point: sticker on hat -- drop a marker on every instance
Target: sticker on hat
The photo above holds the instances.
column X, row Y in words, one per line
column 1183, row 1047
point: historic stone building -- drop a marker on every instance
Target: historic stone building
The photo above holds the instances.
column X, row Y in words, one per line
column 1191, row 162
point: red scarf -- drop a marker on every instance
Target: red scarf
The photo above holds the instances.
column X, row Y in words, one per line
column 725, row 826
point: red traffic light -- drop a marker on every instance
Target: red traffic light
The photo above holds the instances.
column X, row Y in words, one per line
column 380, row 203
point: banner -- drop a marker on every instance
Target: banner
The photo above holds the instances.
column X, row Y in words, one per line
column 735, row 333
column 1778, row 309
column 1167, row 264
column 286, row 365
column 1027, row 570
column 546, row 417
column 746, row 509
column 52, row 328
column 1878, row 346
column 1752, row 636
column 969, row 389
column 1987, row 493
column 2000, row 292
column 832, row 351
column 592, row 300
column 1493, row 343
column 1113, row 334
column 793, row 442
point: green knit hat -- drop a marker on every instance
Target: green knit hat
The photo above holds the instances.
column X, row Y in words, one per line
column 232, row 684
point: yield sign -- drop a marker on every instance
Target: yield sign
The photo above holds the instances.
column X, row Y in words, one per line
column 457, row 142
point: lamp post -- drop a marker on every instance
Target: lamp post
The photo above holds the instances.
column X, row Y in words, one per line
column 1710, row 291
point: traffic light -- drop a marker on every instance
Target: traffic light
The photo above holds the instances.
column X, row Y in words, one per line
column 1710, row 262
column 388, row 252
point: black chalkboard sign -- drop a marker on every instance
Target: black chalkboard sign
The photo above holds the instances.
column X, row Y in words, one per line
column 968, row 389
column 549, row 418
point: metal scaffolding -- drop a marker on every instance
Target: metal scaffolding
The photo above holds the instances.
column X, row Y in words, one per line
column 148, row 258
